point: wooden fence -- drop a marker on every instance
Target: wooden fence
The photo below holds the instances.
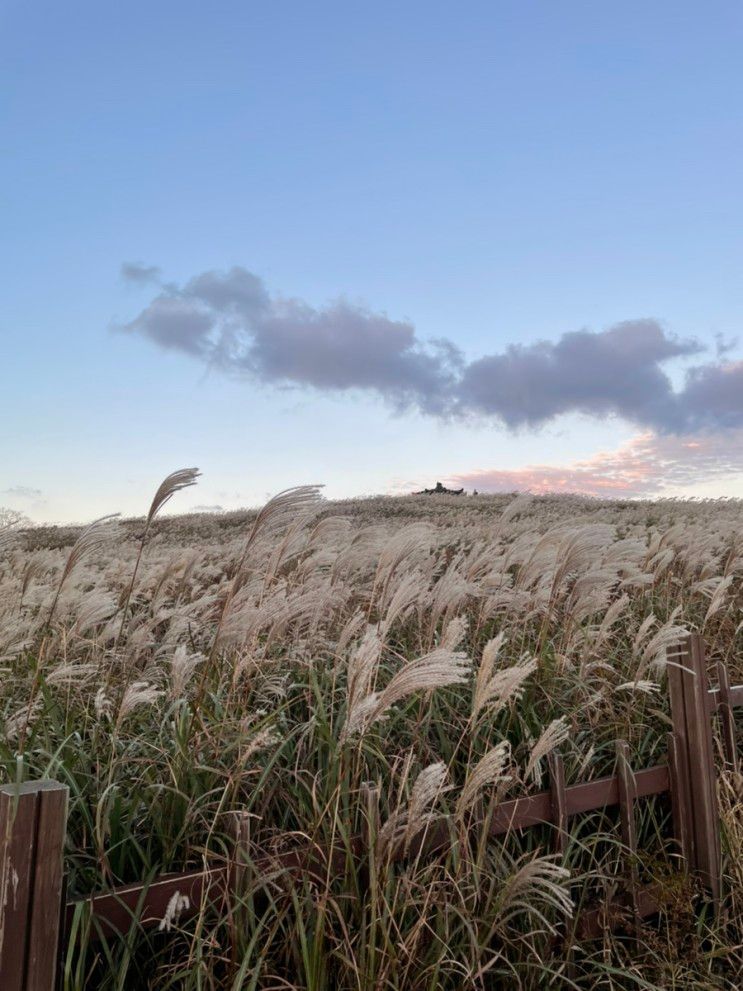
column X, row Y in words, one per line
column 36, row 919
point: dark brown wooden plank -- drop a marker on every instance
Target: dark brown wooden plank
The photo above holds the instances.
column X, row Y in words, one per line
column 627, row 796
column 558, row 802
column 114, row 912
column 18, row 808
column 676, row 661
column 702, row 769
column 679, row 803
column 43, row 923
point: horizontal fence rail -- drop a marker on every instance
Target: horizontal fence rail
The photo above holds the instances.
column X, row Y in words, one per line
column 115, row 911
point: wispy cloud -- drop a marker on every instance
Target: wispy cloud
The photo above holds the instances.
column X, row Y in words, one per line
column 23, row 492
column 230, row 321
column 648, row 465
column 140, row 274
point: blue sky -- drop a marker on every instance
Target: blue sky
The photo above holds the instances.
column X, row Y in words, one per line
column 492, row 174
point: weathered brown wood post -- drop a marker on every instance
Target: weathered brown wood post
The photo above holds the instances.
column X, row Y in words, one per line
column 693, row 774
column 33, row 823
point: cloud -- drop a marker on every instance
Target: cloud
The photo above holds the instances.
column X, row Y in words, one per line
column 215, row 508
column 230, row 321
column 141, row 274
column 713, row 396
column 23, row 492
column 648, row 465
column 617, row 372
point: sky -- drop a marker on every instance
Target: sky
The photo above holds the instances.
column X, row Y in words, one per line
column 496, row 244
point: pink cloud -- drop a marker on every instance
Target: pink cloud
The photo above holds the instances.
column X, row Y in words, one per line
column 647, row 465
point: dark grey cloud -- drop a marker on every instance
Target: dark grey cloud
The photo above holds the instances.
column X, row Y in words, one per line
column 230, row 321
column 616, row 372
column 141, row 274
column 713, row 396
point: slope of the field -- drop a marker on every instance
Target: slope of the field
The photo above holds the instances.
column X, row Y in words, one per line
column 430, row 652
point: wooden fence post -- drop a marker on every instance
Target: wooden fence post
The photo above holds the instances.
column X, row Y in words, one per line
column 33, row 824
column 558, row 801
column 695, row 809
column 627, row 799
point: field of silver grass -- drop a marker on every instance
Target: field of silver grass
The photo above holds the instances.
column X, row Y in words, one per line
column 365, row 668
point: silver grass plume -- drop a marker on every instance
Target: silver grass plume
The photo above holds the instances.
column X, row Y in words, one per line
column 137, row 694
column 489, row 770
column 551, row 738
column 536, row 881
column 436, row 669
column 182, row 668
column 93, row 538
column 645, row 687
column 496, row 688
column 175, row 482
column 405, row 823
column 281, row 511
column 362, row 668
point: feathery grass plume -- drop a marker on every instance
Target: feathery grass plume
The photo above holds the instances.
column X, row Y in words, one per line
column 512, row 510
column 611, row 616
column 404, row 597
column 71, row 675
column 410, row 540
column 351, row 629
column 102, row 704
column 175, row 482
column 436, row 669
column 280, row 512
column 95, row 608
column 18, row 724
column 498, row 687
column 176, row 906
column 184, row 478
column 654, row 652
column 645, row 687
column 362, row 667
column 536, row 881
column 718, row 599
column 455, row 632
column 137, row 694
column 405, row 823
column 551, row 737
column 489, row 770
column 182, row 668
column 93, row 538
